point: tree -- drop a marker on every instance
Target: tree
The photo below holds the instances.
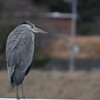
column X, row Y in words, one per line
column 87, row 9
column 54, row 5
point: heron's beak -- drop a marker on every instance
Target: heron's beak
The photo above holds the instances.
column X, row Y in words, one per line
column 37, row 30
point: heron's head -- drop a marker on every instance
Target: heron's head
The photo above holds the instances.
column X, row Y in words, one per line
column 33, row 28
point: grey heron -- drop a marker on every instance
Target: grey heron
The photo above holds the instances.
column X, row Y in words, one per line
column 19, row 53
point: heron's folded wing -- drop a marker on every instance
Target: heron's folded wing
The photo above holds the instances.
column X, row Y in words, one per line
column 19, row 52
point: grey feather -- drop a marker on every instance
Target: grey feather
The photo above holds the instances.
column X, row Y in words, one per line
column 19, row 53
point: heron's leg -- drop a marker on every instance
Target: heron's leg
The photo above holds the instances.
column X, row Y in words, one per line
column 22, row 91
column 17, row 96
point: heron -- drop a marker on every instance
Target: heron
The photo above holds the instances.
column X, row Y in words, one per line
column 19, row 53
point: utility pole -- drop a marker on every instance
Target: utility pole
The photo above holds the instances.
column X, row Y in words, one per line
column 74, row 48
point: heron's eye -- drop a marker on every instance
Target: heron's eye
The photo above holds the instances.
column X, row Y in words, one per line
column 32, row 26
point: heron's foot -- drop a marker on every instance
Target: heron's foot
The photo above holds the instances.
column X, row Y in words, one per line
column 18, row 98
column 23, row 96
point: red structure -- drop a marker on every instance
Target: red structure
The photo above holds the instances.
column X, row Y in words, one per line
column 59, row 22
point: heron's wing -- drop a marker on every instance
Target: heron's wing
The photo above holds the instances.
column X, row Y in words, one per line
column 19, row 51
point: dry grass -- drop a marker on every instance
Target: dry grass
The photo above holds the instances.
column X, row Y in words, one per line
column 56, row 84
column 89, row 47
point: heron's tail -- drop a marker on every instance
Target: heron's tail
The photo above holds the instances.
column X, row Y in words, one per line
column 17, row 77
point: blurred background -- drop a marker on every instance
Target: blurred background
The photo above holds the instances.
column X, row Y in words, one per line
column 66, row 61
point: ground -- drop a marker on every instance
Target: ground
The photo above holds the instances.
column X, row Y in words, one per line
column 56, row 84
